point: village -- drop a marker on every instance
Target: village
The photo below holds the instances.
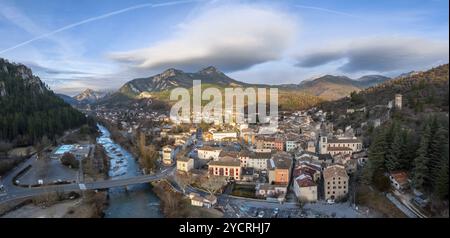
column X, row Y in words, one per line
column 305, row 160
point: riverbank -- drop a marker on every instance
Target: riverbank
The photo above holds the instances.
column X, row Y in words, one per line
column 175, row 205
column 135, row 201
column 72, row 205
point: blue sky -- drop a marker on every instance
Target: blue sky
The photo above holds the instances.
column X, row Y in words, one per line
column 101, row 44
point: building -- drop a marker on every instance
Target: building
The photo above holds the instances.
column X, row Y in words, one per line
column 255, row 160
column 279, row 167
column 353, row 143
column 266, row 143
column 339, row 145
column 398, row 101
column 335, row 182
column 207, row 136
column 220, row 136
column 185, row 164
column 208, row 153
column 310, row 169
column 305, row 188
column 339, row 151
column 79, row 151
column 279, row 144
column 168, row 154
column 311, row 147
column 225, row 166
column 323, row 145
column 199, row 201
column 248, row 136
column 399, row 179
column 270, row 190
column 291, row 145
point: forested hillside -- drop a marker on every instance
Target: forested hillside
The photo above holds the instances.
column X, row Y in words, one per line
column 28, row 110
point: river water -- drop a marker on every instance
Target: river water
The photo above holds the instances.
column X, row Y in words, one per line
column 137, row 200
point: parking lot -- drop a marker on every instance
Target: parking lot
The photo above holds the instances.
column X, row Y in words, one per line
column 237, row 208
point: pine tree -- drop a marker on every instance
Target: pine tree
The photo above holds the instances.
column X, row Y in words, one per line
column 441, row 187
column 377, row 152
column 408, row 149
column 420, row 172
column 395, row 149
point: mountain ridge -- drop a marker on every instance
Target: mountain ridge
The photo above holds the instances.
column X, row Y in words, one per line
column 329, row 87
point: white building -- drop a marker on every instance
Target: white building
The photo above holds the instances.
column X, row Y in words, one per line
column 185, row 164
column 208, row 153
column 305, row 188
column 219, row 136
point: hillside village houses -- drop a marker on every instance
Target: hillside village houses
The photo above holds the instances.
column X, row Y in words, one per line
column 296, row 157
column 302, row 152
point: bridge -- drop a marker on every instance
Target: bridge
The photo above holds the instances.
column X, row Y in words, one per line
column 13, row 192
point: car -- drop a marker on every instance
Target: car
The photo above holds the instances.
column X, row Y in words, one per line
column 261, row 214
column 330, row 201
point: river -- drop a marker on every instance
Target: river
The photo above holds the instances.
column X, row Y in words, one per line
column 138, row 201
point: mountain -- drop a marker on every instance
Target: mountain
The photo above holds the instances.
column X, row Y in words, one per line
column 29, row 110
column 156, row 88
column 330, row 87
column 404, row 75
column 371, row 80
column 68, row 99
column 172, row 78
column 89, row 96
column 422, row 93
column 292, row 96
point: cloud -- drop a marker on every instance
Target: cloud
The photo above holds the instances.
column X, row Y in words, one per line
column 53, row 71
column 379, row 54
column 231, row 37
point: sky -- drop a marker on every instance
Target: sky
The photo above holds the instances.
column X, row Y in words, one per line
column 77, row 44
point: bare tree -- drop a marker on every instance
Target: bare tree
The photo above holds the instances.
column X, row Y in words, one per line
column 213, row 183
column 183, row 181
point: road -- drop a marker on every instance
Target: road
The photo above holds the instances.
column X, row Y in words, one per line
column 20, row 193
column 12, row 192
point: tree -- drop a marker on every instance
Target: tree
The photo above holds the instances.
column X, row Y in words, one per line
column 395, row 149
column 68, row 159
column 442, row 178
column 213, row 183
column 183, row 181
column 438, row 152
column 376, row 155
column 148, row 155
column 420, row 171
